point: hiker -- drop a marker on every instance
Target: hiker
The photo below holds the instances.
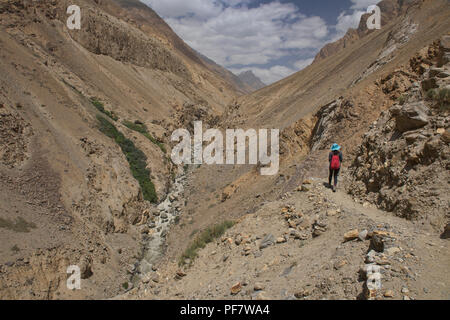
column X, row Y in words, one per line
column 335, row 159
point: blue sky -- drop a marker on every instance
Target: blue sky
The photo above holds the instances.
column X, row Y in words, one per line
column 272, row 38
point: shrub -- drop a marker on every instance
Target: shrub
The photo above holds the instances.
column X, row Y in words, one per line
column 142, row 129
column 135, row 157
column 207, row 236
column 100, row 107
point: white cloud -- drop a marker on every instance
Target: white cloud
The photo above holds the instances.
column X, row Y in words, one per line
column 347, row 21
column 302, row 64
column 363, row 4
column 238, row 35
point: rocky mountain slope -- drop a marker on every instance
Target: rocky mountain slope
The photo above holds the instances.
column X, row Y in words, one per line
column 85, row 118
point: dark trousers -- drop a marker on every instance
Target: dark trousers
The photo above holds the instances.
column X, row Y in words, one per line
column 334, row 173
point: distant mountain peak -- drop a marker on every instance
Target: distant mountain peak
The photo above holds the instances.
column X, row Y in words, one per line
column 249, row 78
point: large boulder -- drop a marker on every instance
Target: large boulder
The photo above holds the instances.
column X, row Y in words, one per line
column 411, row 116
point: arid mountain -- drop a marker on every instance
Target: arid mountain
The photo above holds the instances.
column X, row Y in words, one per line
column 249, row 78
column 85, row 120
column 143, row 17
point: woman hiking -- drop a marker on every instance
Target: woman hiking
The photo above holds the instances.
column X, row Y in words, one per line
column 335, row 159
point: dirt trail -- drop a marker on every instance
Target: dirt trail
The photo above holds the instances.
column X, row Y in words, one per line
column 308, row 258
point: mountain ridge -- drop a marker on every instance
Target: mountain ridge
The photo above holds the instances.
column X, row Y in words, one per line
column 252, row 80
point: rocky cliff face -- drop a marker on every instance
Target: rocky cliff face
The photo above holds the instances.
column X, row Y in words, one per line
column 390, row 9
column 402, row 164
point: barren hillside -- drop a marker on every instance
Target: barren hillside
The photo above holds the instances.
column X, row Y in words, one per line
column 68, row 193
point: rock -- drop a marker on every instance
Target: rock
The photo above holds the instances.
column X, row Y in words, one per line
column 181, row 274
column 351, row 235
column 304, row 224
column 146, row 279
column 86, row 267
column 298, row 235
column 318, row 231
column 446, row 233
column 382, row 261
column 302, row 294
column 338, row 265
column 445, row 43
column 155, row 278
column 389, row 294
column 247, row 251
column 405, row 290
column 392, row 251
column 257, row 254
column 236, row 288
column 305, row 188
column 413, row 137
column 363, row 235
column 268, row 240
column 259, row 286
column 281, row 240
column 412, row 116
column 371, row 256
column 382, row 233
column 439, row 73
column 332, row 213
column 376, row 243
column 307, row 182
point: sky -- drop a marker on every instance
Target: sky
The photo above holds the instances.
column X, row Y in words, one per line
column 274, row 39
